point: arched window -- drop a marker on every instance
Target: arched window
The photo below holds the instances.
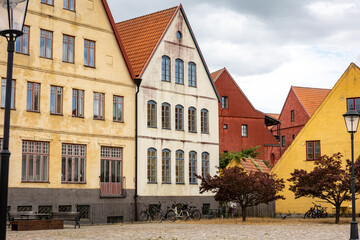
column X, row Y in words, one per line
column 179, row 71
column 165, row 69
column 179, row 117
column 192, row 119
column 205, row 161
column 151, row 114
column 165, row 115
column 192, row 74
column 179, row 166
column 166, row 166
column 151, row 165
column 204, row 121
column 192, row 167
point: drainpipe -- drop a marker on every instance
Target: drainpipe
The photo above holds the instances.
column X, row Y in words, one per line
column 137, row 82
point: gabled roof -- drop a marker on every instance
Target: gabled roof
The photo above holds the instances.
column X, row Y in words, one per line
column 217, row 74
column 249, row 165
column 142, row 35
column 310, row 98
column 273, row 115
column 118, row 39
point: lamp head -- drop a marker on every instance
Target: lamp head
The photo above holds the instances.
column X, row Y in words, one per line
column 351, row 118
column 12, row 16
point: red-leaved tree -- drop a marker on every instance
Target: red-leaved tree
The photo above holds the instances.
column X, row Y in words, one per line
column 328, row 181
column 247, row 189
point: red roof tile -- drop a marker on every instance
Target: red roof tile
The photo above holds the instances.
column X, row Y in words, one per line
column 215, row 75
column 141, row 36
column 273, row 115
column 310, row 98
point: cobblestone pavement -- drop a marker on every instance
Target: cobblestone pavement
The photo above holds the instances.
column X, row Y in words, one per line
column 198, row 231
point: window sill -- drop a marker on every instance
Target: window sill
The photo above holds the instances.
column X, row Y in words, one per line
column 192, row 131
column 180, row 183
column 151, row 127
column 93, row 67
column 166, row 128
column 26, row 54
column 166, row 81
column 73, row 183
column 69, row 10
column 10, row 108
column 46, row 58
column 68, row 62
column 47, row 4
column 35, row 181
column 78, row 117
column 33, row 111
column 192, row 86
column 118, row 121
column 56, row 114
column 206, row 132
column 193, row 183
column 179, row 83
column 180, row 130
column 166, row 183
column 152, row 183
column 101, row 119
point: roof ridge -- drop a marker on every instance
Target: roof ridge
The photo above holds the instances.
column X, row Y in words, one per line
column 149, row 14
column 311, row 87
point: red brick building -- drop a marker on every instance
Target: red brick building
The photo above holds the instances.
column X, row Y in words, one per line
column 240, row 124
column 298, row 108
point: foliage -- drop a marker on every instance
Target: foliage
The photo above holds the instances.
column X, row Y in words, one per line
column 328, row 181
column 251, row 152
column 247, row 189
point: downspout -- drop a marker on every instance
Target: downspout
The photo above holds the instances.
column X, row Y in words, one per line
column 137, row 82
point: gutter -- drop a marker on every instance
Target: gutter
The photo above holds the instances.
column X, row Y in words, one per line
column 137, row 82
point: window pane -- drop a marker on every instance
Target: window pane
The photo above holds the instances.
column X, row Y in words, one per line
column 38, row 168
column 82, row 170
column 107, row 171
column 45, row 168
column 76, row 169
column 52, row 100
column 31, row 168
column 48, row 48
column 102, row 171
column 113, row 171
column 24, row 168
column 69, row 172
column 63, row 169
column 118, row 171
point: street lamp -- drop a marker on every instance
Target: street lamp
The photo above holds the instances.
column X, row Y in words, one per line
column 12, row 17
column 352, row 120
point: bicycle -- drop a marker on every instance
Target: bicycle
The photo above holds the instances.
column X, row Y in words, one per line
column 194, row 213
column 152, row 212
column 178, row 211
column 316, row 212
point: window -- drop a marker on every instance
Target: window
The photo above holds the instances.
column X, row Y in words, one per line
column 312, row 150
column 151, row 165
column 33, row 97
column 68, row 49
column 292, row 113
column 179, row 71
column 166, row 166
column 225, row 126
column 111, row 171
column 22, row 43
column 69, row 5
column 179, row 117
column 35, row 161
column 205, row 164
column 165, row 115
column 56, row 96
column 77, row 103
column 244, row 130
column 192, row 119
column 283, row 141
column 118, row 109
column 3, row 93
column 50, row 2
column 179, row 166
column 165, row 69
column 353, row 104
column 224, row 102
column 99, row 101
column 46, row 44
column 89, row 53
column 151, row 114
column 293, row 136
column 204, row 121
column 192, row 167
column 192, row 74
column 73, row 160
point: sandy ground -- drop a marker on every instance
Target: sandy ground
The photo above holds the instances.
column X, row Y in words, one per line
column 254, row 228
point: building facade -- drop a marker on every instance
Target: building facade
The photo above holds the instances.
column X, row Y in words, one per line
column 241, row 126
column 72, row 138
column 177, row 109
column 298, row 108
column 324, row 133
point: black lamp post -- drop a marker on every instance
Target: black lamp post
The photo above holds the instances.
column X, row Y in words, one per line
column 12, row 17
column 352, row 121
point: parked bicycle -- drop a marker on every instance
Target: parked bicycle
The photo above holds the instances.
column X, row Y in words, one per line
column 152, row 212
column 178, row 211
column 316, row 212
column 194, row 213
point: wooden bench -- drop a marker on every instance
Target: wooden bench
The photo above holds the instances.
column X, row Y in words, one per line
column 13, row 216
column 26, row 225
column 68, row 216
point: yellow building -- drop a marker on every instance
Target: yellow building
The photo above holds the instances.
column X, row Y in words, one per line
column 324, row 133
column 72, row 136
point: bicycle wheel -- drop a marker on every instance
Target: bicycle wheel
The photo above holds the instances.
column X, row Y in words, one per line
column 195, row 215
column 307, row 214
column 158, row 216
column 171, row 216
column 144, row 216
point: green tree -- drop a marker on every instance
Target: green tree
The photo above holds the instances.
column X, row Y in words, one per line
column 251, row 152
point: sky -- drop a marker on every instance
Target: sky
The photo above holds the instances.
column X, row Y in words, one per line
column 268, row 45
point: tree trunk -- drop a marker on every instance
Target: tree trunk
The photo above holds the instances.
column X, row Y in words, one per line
column 337, row 214
column 243, row 213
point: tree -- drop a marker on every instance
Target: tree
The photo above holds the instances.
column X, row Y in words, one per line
column 328, row 181
column 251, row 152
column 247, row 189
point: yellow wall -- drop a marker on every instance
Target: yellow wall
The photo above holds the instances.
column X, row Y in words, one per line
column 327, row 125
column 110, row 76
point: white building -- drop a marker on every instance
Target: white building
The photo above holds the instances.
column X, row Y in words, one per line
column 177, row 103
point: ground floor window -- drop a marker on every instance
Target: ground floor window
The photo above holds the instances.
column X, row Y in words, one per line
column 111, row 171
column 73, row 163
column 35, row 161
